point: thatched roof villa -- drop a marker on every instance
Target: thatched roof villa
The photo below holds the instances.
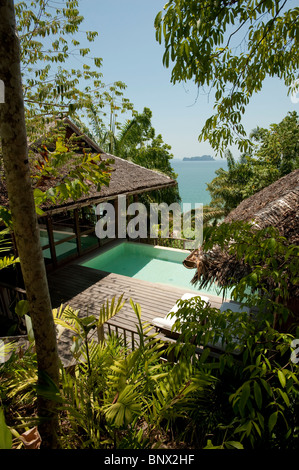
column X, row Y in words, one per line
column 68, row 228
column 276, row 205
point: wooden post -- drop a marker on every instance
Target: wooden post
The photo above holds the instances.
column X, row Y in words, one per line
column 51, row 240
column 77, row 230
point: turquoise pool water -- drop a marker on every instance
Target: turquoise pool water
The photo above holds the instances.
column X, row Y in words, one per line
column 62, row 250
column 68, row 248
column 148, row 263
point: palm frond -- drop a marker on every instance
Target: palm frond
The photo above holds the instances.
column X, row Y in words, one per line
column 8, row 261
column 106, row 312
column 66, row 317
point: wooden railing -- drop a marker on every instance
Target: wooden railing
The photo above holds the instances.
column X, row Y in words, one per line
column 130, row 338
column 9, row 296
column 131, row 342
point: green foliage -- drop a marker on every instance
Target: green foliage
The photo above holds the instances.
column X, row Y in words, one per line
column 229, row 48
column 251, row 400
column 50, row 37
column 272, row 266
column 200, row 324
column 5, row 434
column 112, row 397
column 275, row 153
column 108, row 311
column 277, row 147
column 137, row 141
column 5, row 247
column 6, row 348
column 69, row 174
column 18, row 380
column 114, row 392
column 132, row 134
column 121, row 399
column 7, row 261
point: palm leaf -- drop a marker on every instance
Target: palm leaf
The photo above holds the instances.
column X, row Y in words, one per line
column 106, row 312
column 66, row 318
column 125, row 407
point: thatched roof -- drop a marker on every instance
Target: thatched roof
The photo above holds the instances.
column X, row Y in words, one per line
column 126, row 177
column 275, row 205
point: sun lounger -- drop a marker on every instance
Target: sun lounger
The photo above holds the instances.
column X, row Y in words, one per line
column 234, row 307
column 166, row 323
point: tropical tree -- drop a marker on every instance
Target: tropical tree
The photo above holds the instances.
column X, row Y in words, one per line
column 278, row 146
column 50, row 36
column 137, row 141
column 254, row 403
column 24, row 173
column 274, row 154
column 22, row 206
column 134, row 134
column 230, row 48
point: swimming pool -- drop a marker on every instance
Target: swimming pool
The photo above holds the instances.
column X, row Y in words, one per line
column 148, row 263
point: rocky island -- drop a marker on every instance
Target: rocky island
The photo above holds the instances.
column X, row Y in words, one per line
column 203, row 158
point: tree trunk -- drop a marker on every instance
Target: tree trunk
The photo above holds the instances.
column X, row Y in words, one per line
column 25, row 226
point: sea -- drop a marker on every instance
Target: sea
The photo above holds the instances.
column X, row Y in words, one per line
column 193, row 177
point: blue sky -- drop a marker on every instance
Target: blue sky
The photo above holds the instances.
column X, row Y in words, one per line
column 126, row 42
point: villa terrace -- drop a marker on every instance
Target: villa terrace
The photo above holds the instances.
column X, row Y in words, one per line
column 87, row 289
column 68, row 232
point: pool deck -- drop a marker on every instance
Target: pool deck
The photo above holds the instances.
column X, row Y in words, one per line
column 86, row 289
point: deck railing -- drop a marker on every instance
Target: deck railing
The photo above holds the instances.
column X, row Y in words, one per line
column 131, row 342
column 9, row 296
column 129, row 337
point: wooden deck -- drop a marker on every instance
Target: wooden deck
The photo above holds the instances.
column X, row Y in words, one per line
column 87, row 289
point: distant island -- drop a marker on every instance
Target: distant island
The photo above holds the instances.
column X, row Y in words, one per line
column 203, row 158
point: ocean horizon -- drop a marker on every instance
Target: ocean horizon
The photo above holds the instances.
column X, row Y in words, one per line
column 193, row 177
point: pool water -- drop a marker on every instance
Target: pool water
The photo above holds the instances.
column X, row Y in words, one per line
column 65, row 249
column 147, row 263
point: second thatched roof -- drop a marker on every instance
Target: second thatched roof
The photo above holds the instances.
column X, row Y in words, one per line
column 275, row 205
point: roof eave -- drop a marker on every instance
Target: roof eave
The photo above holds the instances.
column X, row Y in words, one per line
column 99, row 199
